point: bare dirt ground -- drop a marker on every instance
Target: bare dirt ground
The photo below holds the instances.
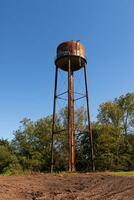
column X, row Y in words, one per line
column 97, row 186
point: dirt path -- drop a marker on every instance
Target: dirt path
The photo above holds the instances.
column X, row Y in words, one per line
column 99, row 186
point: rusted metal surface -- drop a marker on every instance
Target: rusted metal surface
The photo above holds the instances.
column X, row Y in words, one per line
column 71, row 119
column 72, row 50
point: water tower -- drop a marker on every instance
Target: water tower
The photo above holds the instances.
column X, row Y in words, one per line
column 71, row 58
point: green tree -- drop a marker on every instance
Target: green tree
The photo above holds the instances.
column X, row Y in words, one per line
column 110, row 114
column 126, row 106
column 115, row 119
column 32, row 144
column 118, row 113
column 8, row 161
column 111, row 150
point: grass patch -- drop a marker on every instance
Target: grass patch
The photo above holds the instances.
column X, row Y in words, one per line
column 19, row 173
column 124, row 173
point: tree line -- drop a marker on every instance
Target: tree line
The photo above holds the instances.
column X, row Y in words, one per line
column 113, row 141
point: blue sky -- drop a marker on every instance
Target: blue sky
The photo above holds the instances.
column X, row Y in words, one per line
column 30, row 31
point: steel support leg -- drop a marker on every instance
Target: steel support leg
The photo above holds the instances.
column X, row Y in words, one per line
column 89, row 123
column 53, row 120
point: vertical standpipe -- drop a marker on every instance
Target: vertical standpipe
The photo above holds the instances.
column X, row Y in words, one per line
column 71, row 118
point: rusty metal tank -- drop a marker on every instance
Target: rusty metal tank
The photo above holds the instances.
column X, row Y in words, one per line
column 72, row 50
